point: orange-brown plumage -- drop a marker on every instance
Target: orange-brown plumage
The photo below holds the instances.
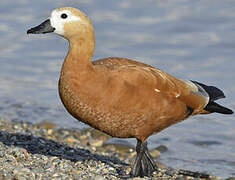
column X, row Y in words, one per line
column 119, row 96
column 124, row 91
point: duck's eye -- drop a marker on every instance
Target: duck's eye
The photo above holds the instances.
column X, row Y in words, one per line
column 64, row 16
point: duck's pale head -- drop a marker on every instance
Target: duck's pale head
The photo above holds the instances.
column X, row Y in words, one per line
column 67, row 22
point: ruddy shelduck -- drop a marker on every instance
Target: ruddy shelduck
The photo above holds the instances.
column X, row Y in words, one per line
column 122, row 97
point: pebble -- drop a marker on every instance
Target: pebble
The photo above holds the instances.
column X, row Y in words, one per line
column 71, row 140
column 162, row 148
column 44, row 151
column 96, row 142
column 155, row 153
column 98, row 134
column 119, row 148
column 98, row 177
column 45, row 125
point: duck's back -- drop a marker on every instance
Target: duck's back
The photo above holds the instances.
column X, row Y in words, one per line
column 112, row 62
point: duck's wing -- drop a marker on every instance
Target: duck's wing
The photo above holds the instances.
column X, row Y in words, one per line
column 200, row 98
column 189, row 92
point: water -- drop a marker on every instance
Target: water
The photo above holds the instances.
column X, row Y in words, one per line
column 188, row 39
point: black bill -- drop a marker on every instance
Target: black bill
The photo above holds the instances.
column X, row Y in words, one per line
column 43, row 28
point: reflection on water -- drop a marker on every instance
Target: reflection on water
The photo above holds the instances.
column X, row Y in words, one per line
column 189, row 39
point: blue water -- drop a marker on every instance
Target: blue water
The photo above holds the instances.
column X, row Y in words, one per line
column 188, row 39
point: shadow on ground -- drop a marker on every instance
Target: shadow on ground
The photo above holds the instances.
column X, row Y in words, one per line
column 40, row 145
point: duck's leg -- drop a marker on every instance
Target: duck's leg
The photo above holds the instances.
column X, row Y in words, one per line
column 137, row 168
column 151, row 162
column 144, row 164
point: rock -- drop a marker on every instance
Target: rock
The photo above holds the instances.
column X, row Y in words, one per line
column 155, row 153
column 137, row 178
column 98, row 177
column 171, row 172
column 23, row 174
column 162, row 148
column 45, row 125
column 160, row 165
column 76, row 134
column 76, row 172
column 96, row 142
column 71, row 140
column 180, row 178
column 96, row 134
column 50, row 131
column 119, row 148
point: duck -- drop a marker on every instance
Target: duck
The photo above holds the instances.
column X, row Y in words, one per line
column 122, row 97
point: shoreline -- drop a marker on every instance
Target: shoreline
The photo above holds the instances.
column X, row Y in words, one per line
column 43, row 150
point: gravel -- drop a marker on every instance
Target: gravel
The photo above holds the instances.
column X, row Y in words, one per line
column 44, row 151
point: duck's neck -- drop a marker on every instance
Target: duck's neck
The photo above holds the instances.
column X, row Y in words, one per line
column 78, row 60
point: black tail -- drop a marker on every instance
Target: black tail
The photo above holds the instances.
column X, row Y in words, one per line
column 214, row 94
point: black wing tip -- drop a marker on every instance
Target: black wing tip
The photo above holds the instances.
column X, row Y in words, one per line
column 227, row 111
column 215, row 107
column 31, row 31
column 230, row 111
column 213, row 92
